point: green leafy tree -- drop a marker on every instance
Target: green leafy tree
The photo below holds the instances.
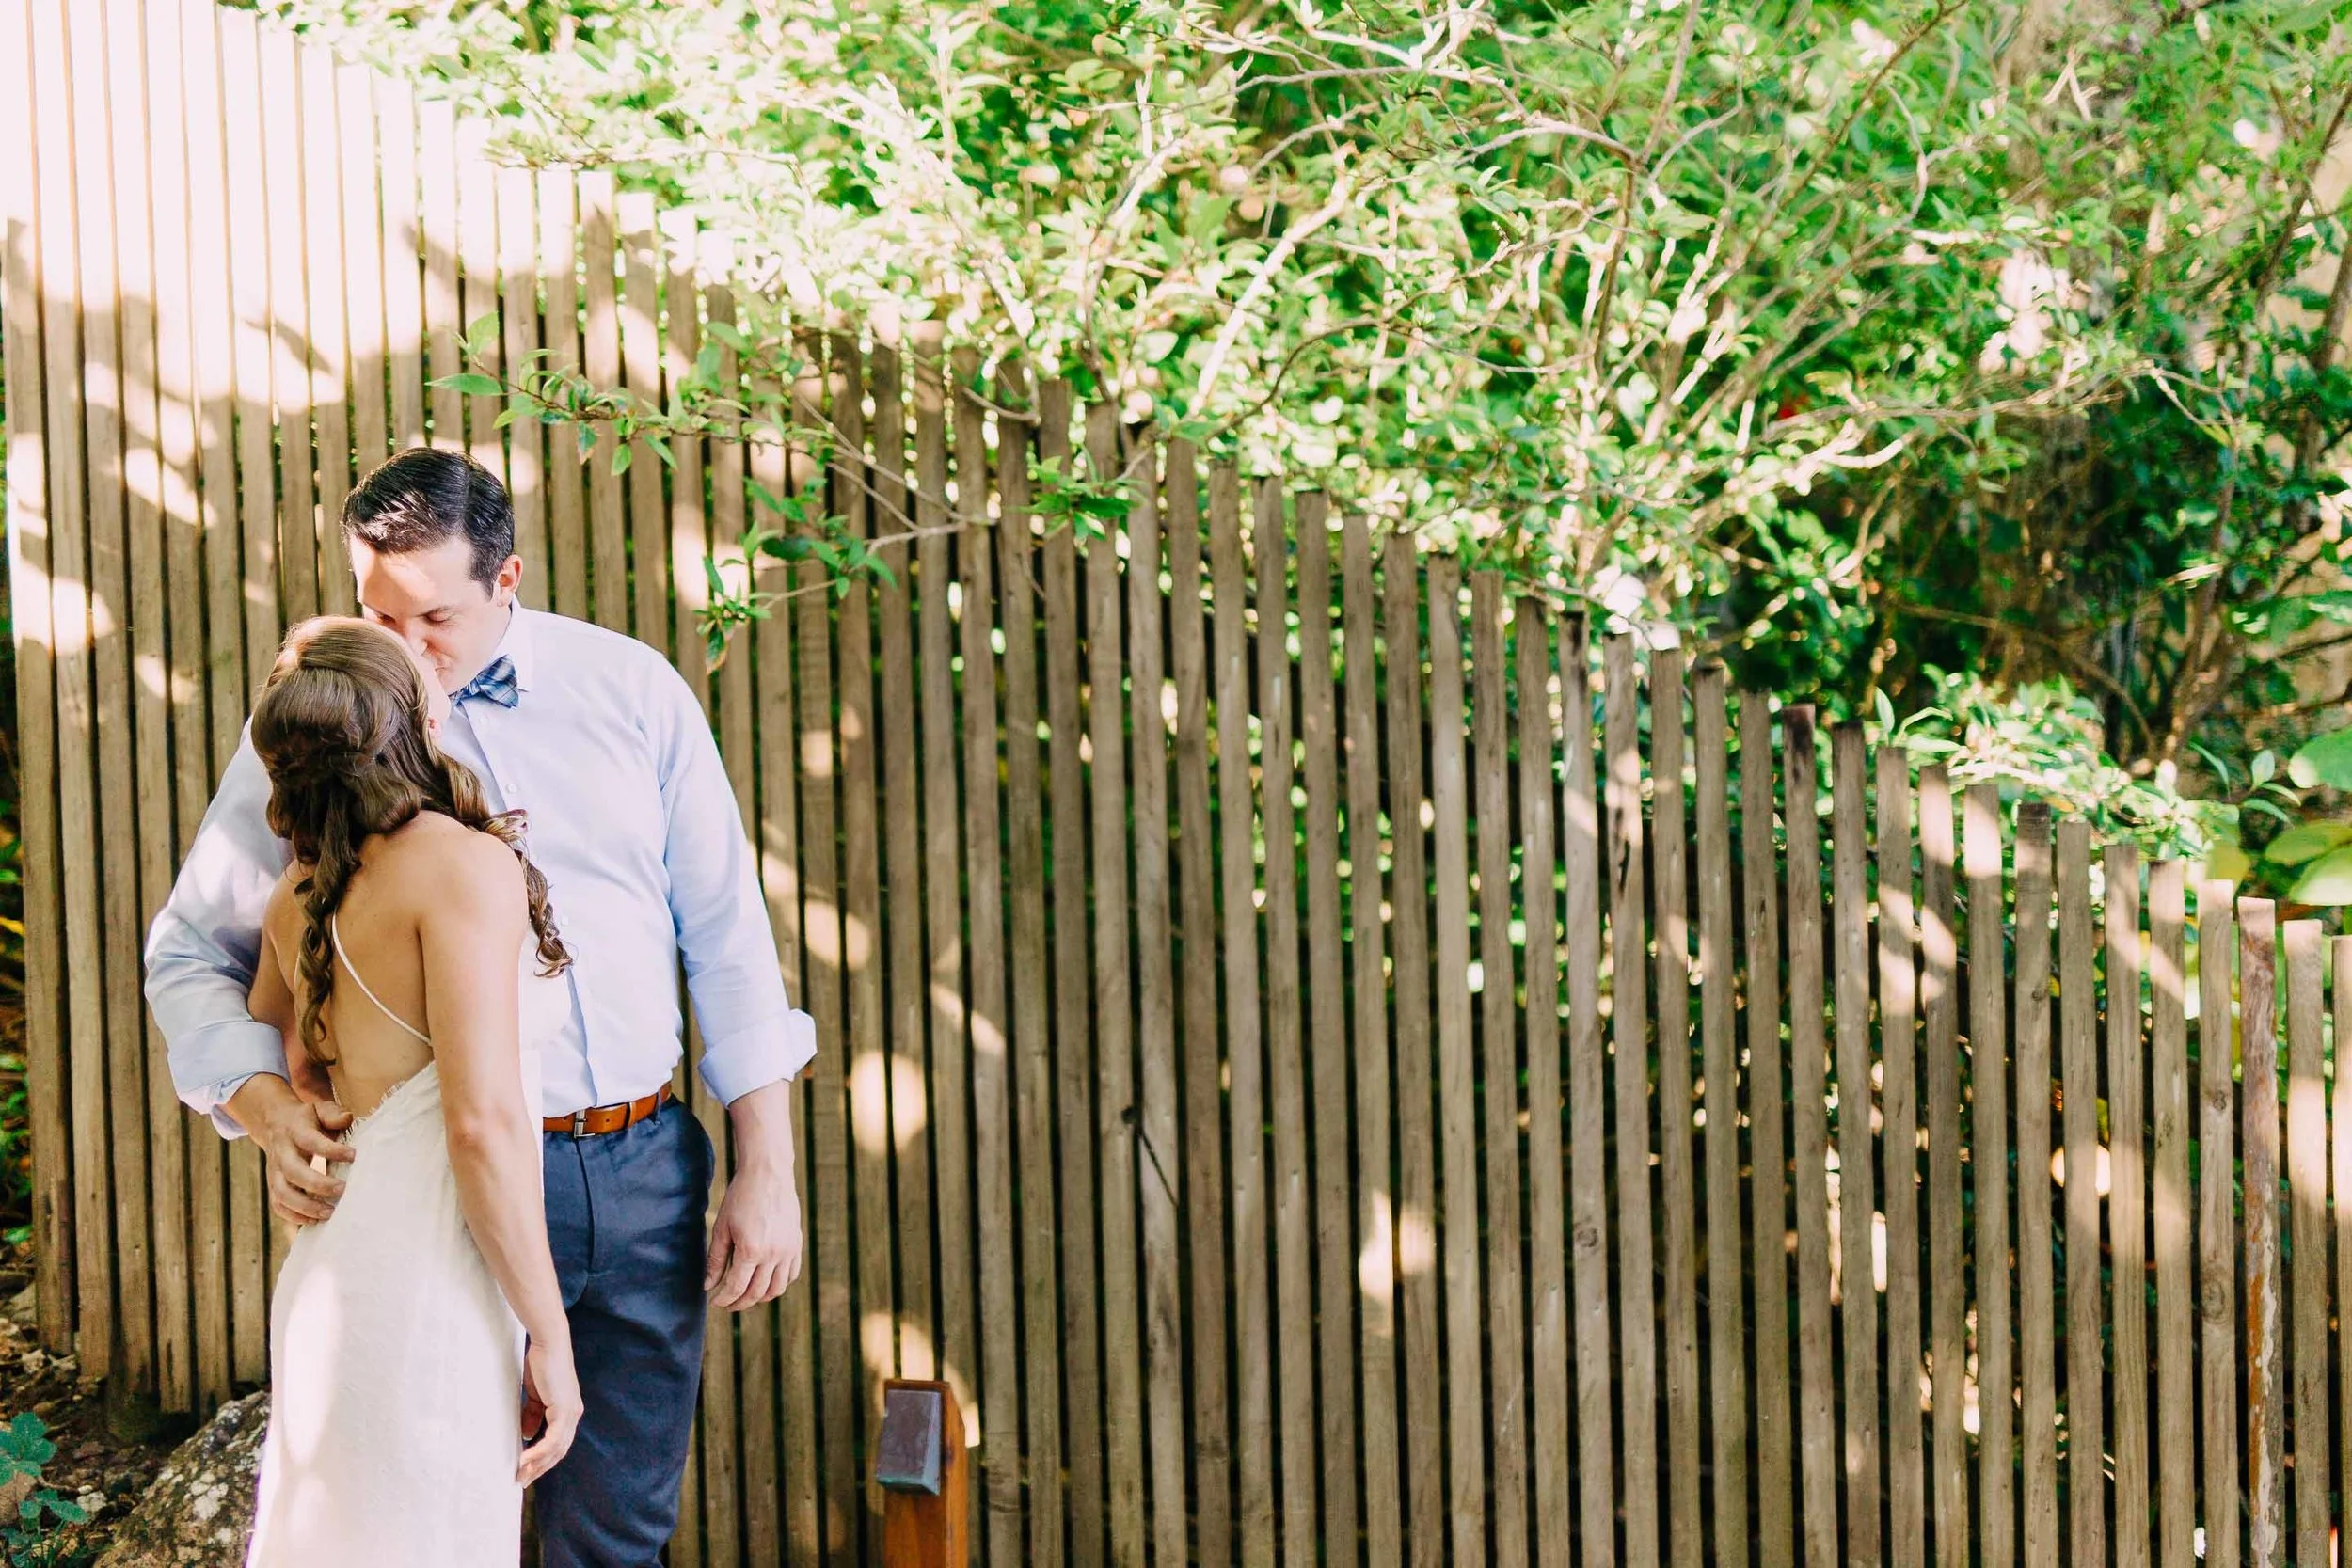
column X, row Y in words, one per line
column 1862, row 339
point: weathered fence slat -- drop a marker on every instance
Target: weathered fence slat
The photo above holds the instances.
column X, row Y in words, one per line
column 114, row 1110
column 957, row 1336
column 2307, row 1240
column 1286, row 1088
column 184, row 587
column 1203, row 1058
column 1588, row 1210
column 916, row 1307
column 34, row 516
column 565, row 572
column 1252, row 1465
column 1416, row 1072
column 1947, row 1287
column 819, row 870
column 1816, row 1419
column 2127, row 1204
column 525, row 437
column 329, row 328
column 1376, row 1276
column 1550, row 1417
column 477, row 303
column 760, row 1538
column 2217, row 1222
column 795, row 1522
column 2339, row 1118
column 600, row 360
column 1114, row 1030
column 1630, row 1079
column 1988, row 1053
column 1898, row 1109
column 714, row 1465
column 436, row 152
column 1858, row 1297
column 363, row 166
column 2078, row 1076
column 1678, row 1230
column 2168, row 1105
column 1727, row 1291
column 1328, row 1006
column 228, row 609
column 2037, row 1310
column 292, row 387
column 2263, row 1347
column 1156, row 1123
column 865, row 1075
column 1030, row 1045
column 1074, row 1002
column 1505, row 1328
column 1455, row 1212
column 989, row 1037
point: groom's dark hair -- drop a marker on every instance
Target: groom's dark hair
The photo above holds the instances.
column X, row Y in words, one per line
column 426, row 495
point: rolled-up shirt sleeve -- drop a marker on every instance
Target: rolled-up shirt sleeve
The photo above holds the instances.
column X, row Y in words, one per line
column 752, row 1035
column 204, row 944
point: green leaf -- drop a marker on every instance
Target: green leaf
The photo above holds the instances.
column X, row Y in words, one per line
column 2306, row 841
column 2327, row 759
column 2326, row 880
column 471, row 381
column 2265, row 763
column 622, row 457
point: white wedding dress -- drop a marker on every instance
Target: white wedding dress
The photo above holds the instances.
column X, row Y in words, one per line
column 396, row 1365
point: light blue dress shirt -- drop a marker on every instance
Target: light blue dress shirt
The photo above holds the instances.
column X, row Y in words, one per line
column 632, row 821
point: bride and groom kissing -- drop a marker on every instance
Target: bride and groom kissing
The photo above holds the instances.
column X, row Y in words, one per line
column 423, row 951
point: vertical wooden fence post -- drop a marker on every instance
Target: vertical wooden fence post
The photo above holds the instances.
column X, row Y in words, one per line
column 2263, row 1327
column 2217, row 1220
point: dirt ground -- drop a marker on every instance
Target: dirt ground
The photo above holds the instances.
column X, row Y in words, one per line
column 106, row 1459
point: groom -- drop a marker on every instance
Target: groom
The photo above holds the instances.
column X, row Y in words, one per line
column 633, row 822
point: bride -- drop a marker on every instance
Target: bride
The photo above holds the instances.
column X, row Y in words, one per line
column 408, row 955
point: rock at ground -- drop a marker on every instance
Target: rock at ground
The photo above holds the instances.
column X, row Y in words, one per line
column 199, row 1510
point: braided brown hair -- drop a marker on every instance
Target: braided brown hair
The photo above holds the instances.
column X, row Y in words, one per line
column 341, row 727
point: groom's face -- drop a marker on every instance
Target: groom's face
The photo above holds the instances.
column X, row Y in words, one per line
column 430, row 600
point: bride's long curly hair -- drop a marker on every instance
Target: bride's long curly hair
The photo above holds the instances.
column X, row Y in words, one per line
column 341, row 728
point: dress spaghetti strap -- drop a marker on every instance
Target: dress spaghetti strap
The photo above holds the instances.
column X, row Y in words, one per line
column 335, row 931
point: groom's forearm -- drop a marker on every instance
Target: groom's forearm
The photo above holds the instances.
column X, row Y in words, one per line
column 763, row 1130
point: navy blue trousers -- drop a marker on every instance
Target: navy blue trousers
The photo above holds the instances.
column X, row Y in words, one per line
column 625, row 1220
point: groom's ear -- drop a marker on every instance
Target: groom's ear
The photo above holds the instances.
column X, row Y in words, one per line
column 509, row 580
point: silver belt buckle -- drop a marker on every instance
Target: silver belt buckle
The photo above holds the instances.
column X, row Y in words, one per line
column 580, row 1122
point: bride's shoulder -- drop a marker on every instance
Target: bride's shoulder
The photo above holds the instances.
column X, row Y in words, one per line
column 439, row 859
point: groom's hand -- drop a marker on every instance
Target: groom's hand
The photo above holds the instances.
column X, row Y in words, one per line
column 755, row 1244
column 292, row 1133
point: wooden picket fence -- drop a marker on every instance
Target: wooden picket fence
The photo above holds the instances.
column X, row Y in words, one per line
column 1303, row 1050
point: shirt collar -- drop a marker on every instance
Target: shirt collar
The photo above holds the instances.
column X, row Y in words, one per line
column 516, row 646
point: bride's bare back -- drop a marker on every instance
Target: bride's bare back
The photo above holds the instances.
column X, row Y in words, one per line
column 380, row 924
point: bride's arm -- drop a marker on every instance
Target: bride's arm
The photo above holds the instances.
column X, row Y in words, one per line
column 472, row 929
column 272, row 1002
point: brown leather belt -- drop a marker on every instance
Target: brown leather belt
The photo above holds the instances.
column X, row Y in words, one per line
column 598, row 1119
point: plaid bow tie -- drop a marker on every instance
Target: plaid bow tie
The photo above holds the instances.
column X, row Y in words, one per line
column 496, row 682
